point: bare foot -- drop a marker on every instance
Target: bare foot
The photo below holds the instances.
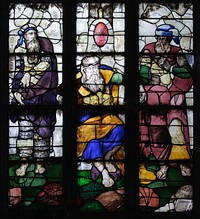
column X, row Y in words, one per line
column 107, row 180
column 185, row 170
column 162, row 173
column 110, row 167
column 39, row 168
column 21, row 171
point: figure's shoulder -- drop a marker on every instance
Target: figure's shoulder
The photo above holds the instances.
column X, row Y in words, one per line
column 78, row 75
column 175, row 49
column 105, row 67
column 46, row 44
column 150, row 47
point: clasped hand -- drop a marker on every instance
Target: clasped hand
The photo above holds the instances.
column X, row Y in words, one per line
column 163, row 62
column 25, row 81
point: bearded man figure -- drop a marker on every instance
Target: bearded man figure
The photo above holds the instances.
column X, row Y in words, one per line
column 166, row 77
column 93, row 83
column 100, row 135
column 35, row 83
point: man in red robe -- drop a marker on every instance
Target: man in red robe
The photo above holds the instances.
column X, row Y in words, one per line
column 165, row 79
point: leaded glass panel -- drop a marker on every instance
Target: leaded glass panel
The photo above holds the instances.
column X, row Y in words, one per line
column 166, row 106
column 100, row 29
column 36, row 119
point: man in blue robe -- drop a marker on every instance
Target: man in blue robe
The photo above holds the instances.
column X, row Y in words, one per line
column 100, row 135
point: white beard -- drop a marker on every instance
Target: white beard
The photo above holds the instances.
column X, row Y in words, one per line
column 162, row 48
column 94, row 82
column 33, row 46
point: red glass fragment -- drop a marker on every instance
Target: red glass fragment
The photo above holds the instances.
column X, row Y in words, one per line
column 101, row 34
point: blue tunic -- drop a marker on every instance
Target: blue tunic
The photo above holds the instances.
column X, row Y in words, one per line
column 97, row 148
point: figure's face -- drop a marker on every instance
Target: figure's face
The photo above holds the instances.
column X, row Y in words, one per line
column 164, row 39
column 163, row 44
column 32, row 46
column 30, row 35
column 91, row 69
column 91, row 77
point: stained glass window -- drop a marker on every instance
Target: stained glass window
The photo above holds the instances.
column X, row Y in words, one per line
column 100, row 63
column 99, row 109
column 36, row 121
column 166, row 106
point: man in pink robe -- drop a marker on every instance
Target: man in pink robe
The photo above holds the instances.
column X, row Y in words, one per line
column 165, row 79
